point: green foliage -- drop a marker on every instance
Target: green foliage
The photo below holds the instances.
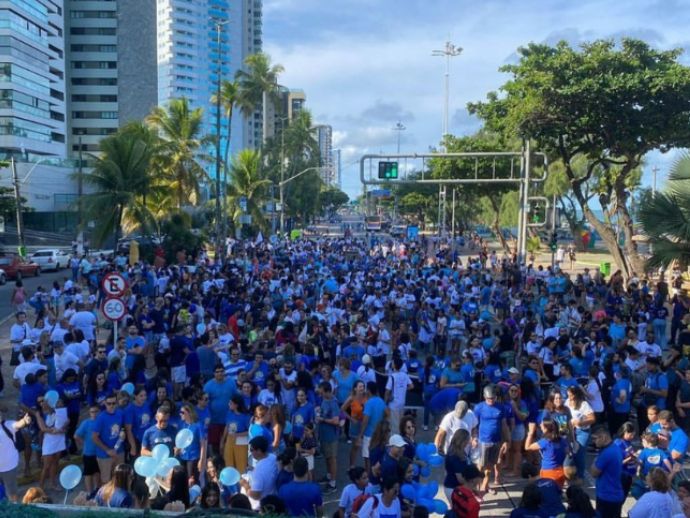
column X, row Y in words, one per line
column 259, row 76
column 665, row 218
column 331, row 200
column 177, row 228
column 533, row 244
column 247, row 181
column 608, row 104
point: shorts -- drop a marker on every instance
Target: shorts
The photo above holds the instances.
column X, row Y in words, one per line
column 519, row 433
column 365, row 447
column 329, row 449
column 179, row 374
column 90, row 465
column 488, row 453
column 9, row 480
column 310, row 462
column 555, row 474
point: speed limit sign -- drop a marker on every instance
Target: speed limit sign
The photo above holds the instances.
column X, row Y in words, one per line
column 114, row 308
column 114, row 285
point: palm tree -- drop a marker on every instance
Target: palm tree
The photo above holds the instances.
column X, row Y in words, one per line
column 246, row 181
column 665, row 218
column 258, row 84
column 180, row 130
column 121, row 174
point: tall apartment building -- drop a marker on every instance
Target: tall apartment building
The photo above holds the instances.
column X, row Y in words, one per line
column 337, row 168
column 197, row 41
column 111, row 67
column 290, row 103
column 324, row 135
column 32, row 79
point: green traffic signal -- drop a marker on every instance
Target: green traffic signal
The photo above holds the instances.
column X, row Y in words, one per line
column 388, row 170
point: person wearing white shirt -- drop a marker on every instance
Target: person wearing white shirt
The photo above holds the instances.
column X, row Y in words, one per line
column 29, row 365
column 263, row 476
column 64, row 360
column 79, row 349
column 84, row 320
column 396, row 391
column 461, row 418
column 19, row 332
column 9, row 460
column 366, row 372
column 59, row 332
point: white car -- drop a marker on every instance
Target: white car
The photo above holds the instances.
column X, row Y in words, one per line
column 50, row 259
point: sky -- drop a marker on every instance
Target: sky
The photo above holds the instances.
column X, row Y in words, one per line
column 366, row 64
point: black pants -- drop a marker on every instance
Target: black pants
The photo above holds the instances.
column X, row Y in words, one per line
column 71, row 428
column 609, row 509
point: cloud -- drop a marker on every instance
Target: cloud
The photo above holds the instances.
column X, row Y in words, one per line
column 387, row 111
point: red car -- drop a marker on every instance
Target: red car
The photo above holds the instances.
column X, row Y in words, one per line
column 15, row 267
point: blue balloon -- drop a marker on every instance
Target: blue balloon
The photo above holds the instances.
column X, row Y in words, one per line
column 194, row 493
column 440, row 507
column 425, row 471
column 51, row 397
column 432, row 488
column 436, row 460
column 419, row 451
column 407, row 491
column 146, row 466
column 129, row 388
column 184, row 438
column 431, row 448
column 426, row 502
column 415, row 470
column 229, row 476
column 164, row 466
column 70, row 477
column 160, row 452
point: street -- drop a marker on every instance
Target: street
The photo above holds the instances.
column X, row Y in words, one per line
column 30, row 284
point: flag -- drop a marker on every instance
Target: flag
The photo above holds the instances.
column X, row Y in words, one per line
column 302, row 338
column 259, row 239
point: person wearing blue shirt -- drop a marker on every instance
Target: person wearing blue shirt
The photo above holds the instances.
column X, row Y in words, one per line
column 493, row 431
column 621, row 399
column 118, row 496
column 452, row 375
column 328, row 419
column 219, row 390
column 235, row 439
column 159, row 433
column 374, row 411
column 430, row 379
column 678, row 440
column 345, row 379
column 194, row 455
column 301, row 497
column 84, row 439
column 138, row 419
column 109, row 437
column 134, row 343
column 303, row 414
column 653, row 392
column 607, row 469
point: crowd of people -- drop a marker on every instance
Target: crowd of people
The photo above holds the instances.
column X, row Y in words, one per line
column 274, row 358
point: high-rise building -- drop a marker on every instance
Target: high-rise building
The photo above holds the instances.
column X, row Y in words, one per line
column 197, row 41
column 32, row 79
column 111, row 67
column 324, row 135
column 337, row 168
column 289, row 104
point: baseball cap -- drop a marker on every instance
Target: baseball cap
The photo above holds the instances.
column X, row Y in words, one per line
column 513, row 370
column 366, row 359
column 461, row 409
column 397, row 441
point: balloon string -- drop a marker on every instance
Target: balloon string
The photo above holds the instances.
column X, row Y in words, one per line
column 66, row 493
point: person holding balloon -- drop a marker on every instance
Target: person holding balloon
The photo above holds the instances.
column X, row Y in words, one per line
column 137, row 419
column 53, row 422
column 160, row 433
column 190, row 443
column 234, row 441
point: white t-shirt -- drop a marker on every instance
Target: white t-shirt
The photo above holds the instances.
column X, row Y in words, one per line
column 368, row 511
column 25, row 368
column 366, row 375
column 63, row 362
column 594, row 396
column 18, row 333
column 9, row 459
column 264, row 478
column 350, row 494
column 581, row 412
column 54, row 443
column 84, row 320
column 656, row 505
column 397, row 383
column 451, row 424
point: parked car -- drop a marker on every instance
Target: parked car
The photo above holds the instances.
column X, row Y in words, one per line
column 16, row 268
column 3, row 277
column 50, row 259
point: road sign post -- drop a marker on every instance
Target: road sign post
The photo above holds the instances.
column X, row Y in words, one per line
column 114, row 285
column 114, row 309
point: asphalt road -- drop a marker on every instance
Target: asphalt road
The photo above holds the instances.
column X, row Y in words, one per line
column 30, row 284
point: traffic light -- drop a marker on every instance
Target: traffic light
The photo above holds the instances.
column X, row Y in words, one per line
column 553, row 245
column 388, row 170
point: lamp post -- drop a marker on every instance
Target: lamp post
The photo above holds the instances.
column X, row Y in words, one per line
column 449, row 51
column 399, row 127
column 219, row 216
column 18, row 201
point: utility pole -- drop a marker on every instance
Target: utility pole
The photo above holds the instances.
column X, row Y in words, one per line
column 282, row 179
column 655, row 170
column 219, row 237
column 18, row 207
column 80, row 186
column 449, row 51
column 399, row 127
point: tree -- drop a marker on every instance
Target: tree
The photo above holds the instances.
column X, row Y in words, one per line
column 331, row 200
column 258, row 83
column 665, row 218
column 119, row 178
column 247, row 182
column 608, row 104
column 179, row 128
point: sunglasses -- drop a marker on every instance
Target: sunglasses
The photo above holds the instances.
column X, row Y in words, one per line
column 111, row 403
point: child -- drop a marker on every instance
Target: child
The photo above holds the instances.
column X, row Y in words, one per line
column 652, row 456
column 307, row 447
column 83, row 437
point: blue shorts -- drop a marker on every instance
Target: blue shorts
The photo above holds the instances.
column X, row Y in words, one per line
column 518, row 433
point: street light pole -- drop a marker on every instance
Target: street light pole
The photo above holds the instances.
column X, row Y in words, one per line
column 399, row 127
column 282, row 171
column 449, row 51
column 18, row 209
column 281, row 186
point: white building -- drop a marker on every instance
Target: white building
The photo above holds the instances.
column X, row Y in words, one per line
column 32, row 78
column 324, row 134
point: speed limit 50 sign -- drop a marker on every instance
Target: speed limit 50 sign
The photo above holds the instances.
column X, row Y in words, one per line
column 114, row 308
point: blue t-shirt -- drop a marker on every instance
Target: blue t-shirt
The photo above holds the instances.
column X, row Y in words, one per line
column 301, row 498
column 444, row 400
column 29, row 394
column 130, row 343
column 553, row 452
column 375, row 409
column 237, row 423
column 627, row 450
column 84, row 432
column 108, row 427
column 625, row 386
column 678, row 442
column 220, row 394
column 204, row 416
column 300, row 417
column 139, row 418
column 193, row 451
column 490, row 418
column 608, row 484
column 119, row 499
column 155, row 436
column 329, row 409
column 656, row 381
column 345, row 385
column 71, row 394
column 453, row 377
column 652, row 458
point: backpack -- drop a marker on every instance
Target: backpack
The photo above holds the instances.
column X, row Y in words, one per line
column 17, row 438
column 360, row 500
column 463, row 503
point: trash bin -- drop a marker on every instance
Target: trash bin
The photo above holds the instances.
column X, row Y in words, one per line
column 605, row 268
